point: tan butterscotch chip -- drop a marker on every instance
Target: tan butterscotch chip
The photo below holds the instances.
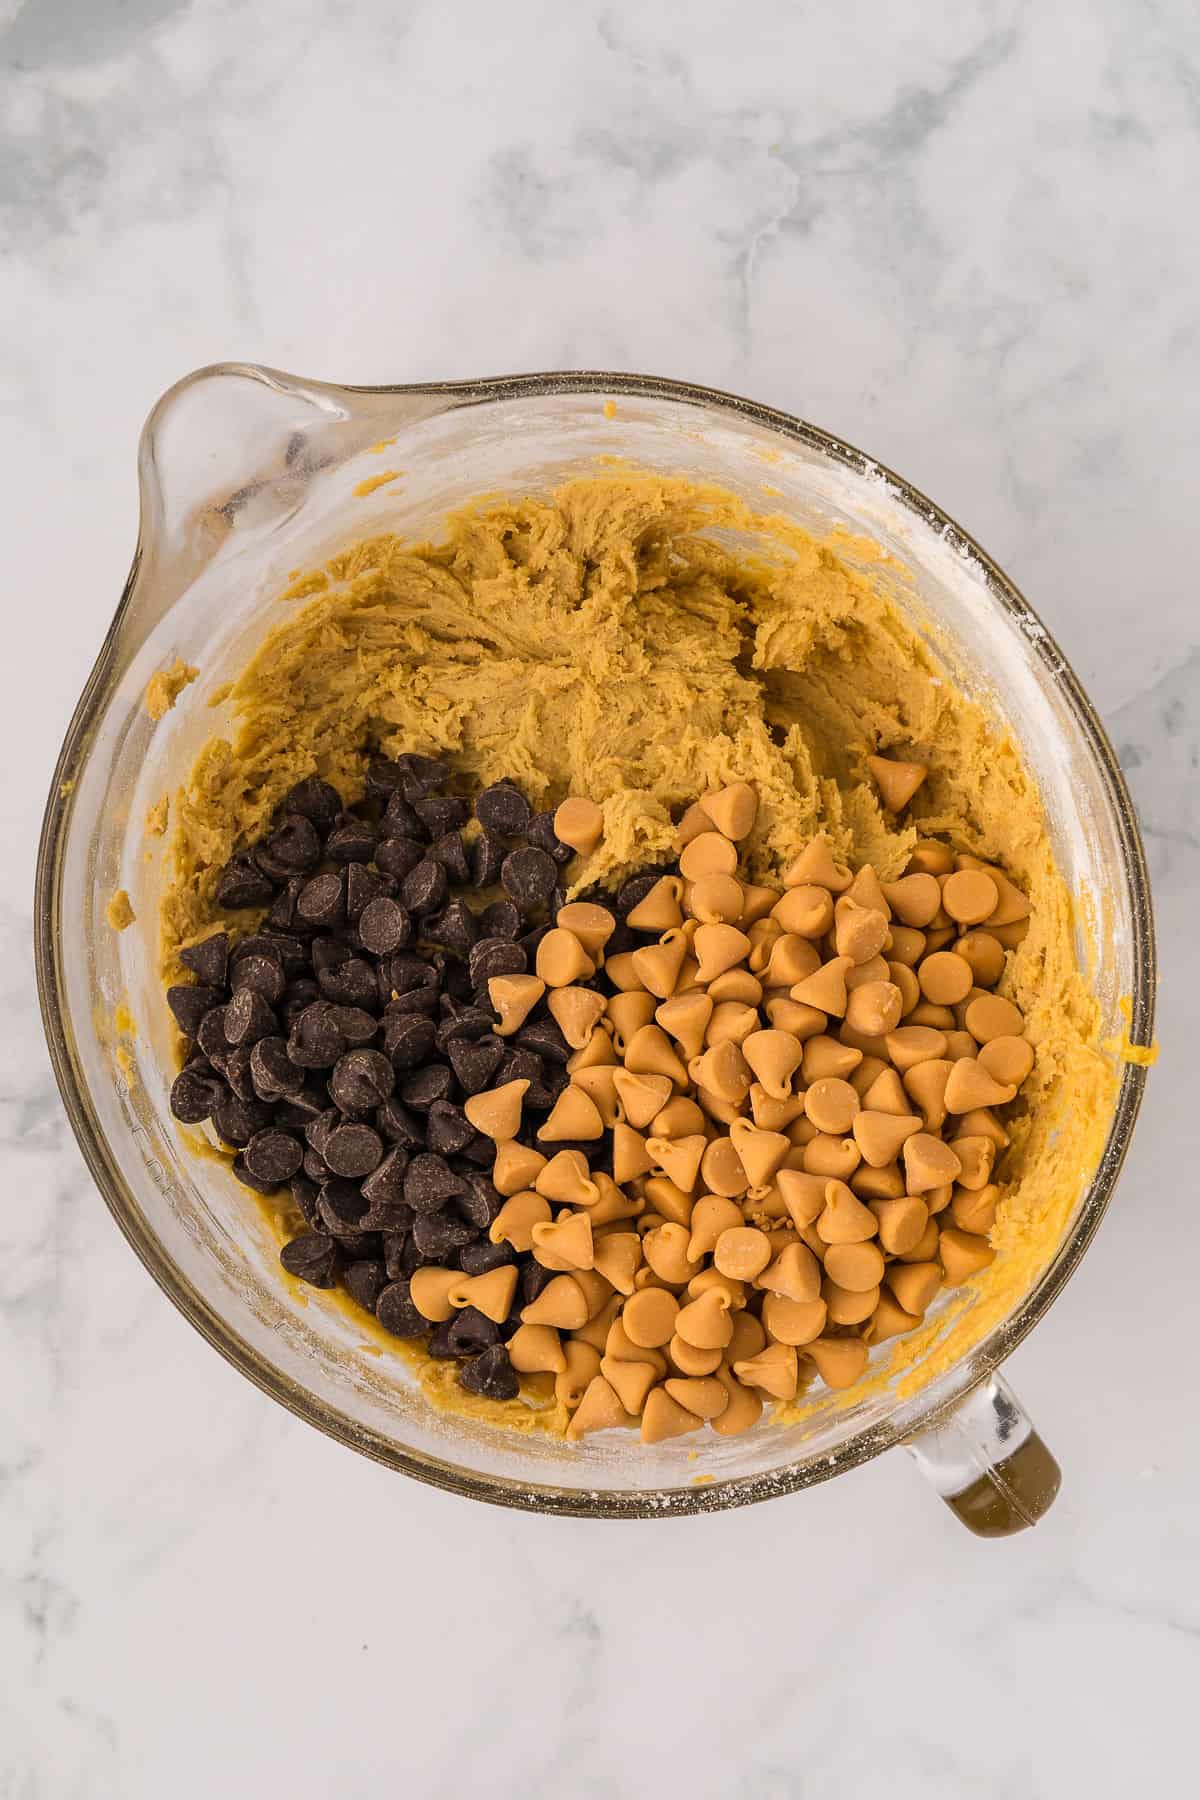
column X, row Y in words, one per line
column 722, row 1169
column 618, row 1257
column 914, row 1283
column 650, row 1052
column 574, row 1116
column 962, row 1255
column 678, row 1158
column 839, row 1360
column 1008, row 1060
column 708, row 854
column 935, row 1018
column 835, row 1157
column 712, row 1215
column 705, row 1322
column 665, row 1248
column 741, row 1252
column 816, row 867
column 926, row 1083
column 717, row 948
column 875, row 1008
column 576, row 1011
column 825, row 1059
column 582, row 1368
column 723, row 1071
column 748, row 1337
column 970, row 897
column 928, row 1163
column 945, row 978
column 804, row 912
column 915, row 899
column 800, row 1021
column 792, row 959
column 732, row 810
column 627, row 1013
column 888, row 1320
column 430, row 1290
column 516, row 1167
column 907, row 946
column 658, row 965
column 715, row 900
column 592, row 925
column 663, row 1418
column 514, row 998
column 902, row 977
column 848, row 1306
column 774, row 1057
column 860, row 932
column 597, row 1053
column 620, row 1347
column 773, row 1114
column 491, row 1294
column 694, row 821
column 497, row 1113
column 884, row 1092
column 536, row 1350
column 882, row 1136
column 826, row 990
column 913, row 1044
column 649, row 1318
column 744, row 1409
column 630, row 1381
column 884, row 1183
column 902, row 1222
column 793, row 1321
column 732, row 1022
column 566, row 1244
column 974, row 1210
column 795, row 1273
column 897, row 781
column 685, row 1017
column 630, row 1157
column 969, row 1086
column 984, row 955
column 598, row 1082
column 990, row 1016
column 561, row 959
column 977, row 1155
column 775, row 1369
column 702, row 1395
column 844, row 1219
column 579, row 823
column 515, row 1221
column 831, row 1104
column 685, row 1359
column 737, row 985
column 642, row 1096
column 599, row 1410
column 660, row 909
column 561, row 1303
column 679, row 1118
column 760, row 1152
column 668, row 1201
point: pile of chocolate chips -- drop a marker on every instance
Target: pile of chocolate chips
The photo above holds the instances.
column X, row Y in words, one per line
column 333, row 1046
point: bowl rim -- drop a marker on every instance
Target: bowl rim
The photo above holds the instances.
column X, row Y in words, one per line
column 717, row 1495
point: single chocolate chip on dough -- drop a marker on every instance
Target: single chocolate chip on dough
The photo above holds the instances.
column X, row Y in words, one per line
column 351, row 840
column 440, row 813
column 451, row 852
column 529, row 876
column 312, row 1256
column 295, row 843
column 491, row 1375
column 209, row 959
column 315, row 800
column 362, row 886
column 503, row 810
column 189, row 1002
column 242, row 883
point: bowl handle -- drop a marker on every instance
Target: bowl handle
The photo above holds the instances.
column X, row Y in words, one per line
column 988, row 1463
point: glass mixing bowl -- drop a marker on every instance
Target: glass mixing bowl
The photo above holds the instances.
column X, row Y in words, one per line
column 247, row 474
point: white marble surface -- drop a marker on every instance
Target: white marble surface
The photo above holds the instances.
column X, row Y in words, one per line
column 961, row 235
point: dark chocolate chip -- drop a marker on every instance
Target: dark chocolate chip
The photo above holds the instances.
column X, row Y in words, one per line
column 194, row 1095
column 383, row 926
column 398, row 1125
column 353, row 1150
column 461, row 1021
column 486, row 855
column 408, row 1039
column 396, row 1313
column 272, row 1071
column 313, row 1257
column 306, row 1195
column 533, row 1279
column 296, row 1112
column 211, row 1033
column 398, row 855
column 296, row 997
column 242, row 883
column 352, row 840
column 314, row 799
column 361, row 1081
column 262, row 1184
column 503, row 810
column 237, row 1068
column 529, row 876
column 481, row 1202
column 451, row 852
column 469, row 1332
column 502, row 919
column 542, row 836
column 420, row 775
column 342, row 1206
column 475, row 1062
column 396, row 1254
column 481, row 1152
column 490, row 1375
column 189, row 1002
column 454, row 927
column 295, row 843
column 400, row 821
column 480, row 1258
column 364, row 1281
column 273, row 1155
column 282, row 911
column 424, row 888
column 355, row 1024
column 364, row 885
column 452, row 973
column 440, row 813
column 236, row 1121
column 429, row 1182
column 292, row 952
column 316, row 1168
column 622, row 938
column 209, row 960
column 420, row 1089
column 259, row 974
column 531, row 939
column 448, row 1130
column 315, row 1041
column 437, row 1234
column 494, row 956
column 249, row 1017
column 347, row 979
column 321, row 902
column 385, row 1185
column 544, row 1038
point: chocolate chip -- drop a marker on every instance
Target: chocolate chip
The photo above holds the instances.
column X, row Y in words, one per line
column 452, row 973
column 384, row 1187
column 449, row 1130
column 530, row 940
column 632, row 892
column 621, row 939
column 361, row 1080
column 424, row 888
column 364, row 1281
column 321, row 902
column 274, row 1156
column 469, row 1332
column 454, row 927
column 491, row 1375
column 529, row 876
column 247, row 1176
column 313, row 1257
column 194, row 1095
column 363, row 885
column 544, row 1038
column 347, row 979
column 503, row 810
column 494, row 956
column 398, row 855
column 315, row 1041
column 451, row 852
column 481, row 1202
column 420, row 1089
column 383, row 926
column 237, row 1070
column 296, row 996
column 486, row 856
column 189, row 1002
column 210, row 1035
column 342, row 1206
column 437, row 1234
column 524, row 1065
column 420, row 775
column 441, row 813
column 353, row 1150
column 400, row 821
column 248, row 1017
column 306, row 1194
column 408, row 1039
column 481, row 1152
column 272, row 1071
column 398, row 1125
column 542, row 835
column 314, row 799
column 351, row 841
column 396, row 1313
column 429, row 1182
column 355, row 1024
column 480, row 1258
column 236, row 1121
column 291, row 951
column 460, row 1021
column 502, row 919
column 242, row 883
column 533, row 1279
column 296, row 1112
column 209, row 960
column 259, row 974
column 295, row 843
column 396, row 1254
column 316, row 1168
column 475, row 1063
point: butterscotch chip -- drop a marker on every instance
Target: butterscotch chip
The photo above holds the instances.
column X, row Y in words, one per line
column 760, row 1152
column 731, row 1021
column 599, row 1410
column 715, row 900
column 566, row 1244
column 583, row 1366
column 536, row 1349
column 774, row 1057
column 613, row 1204
column 657, row 966
column 902, row 1222
column 907, row 946
column 928, row 1163
column 706, row 1322
column 650, row 1052
column 574, row 1116
column 717, row 948
column 885, row 1092
column 723, row 1071
column 732, row 810
column 562, row 959
column 685, row 1017
column 805, row 912
column 619, row 970
column 678, row 1118
column 936, row 1018
column 944, row 978
column 840, row 1361
column 826, row 990
column 803, row 1195
column 685, row 1359
column 598, row 1082
column 792, row 959
column 815, row 866
column 618, row 1257
column 763, row 935
column 974, row 1210
column 630, row 1381
column 560, row 1303
column 990, row 1016
column 430, row 1292
column 844, row 1219
column 881, row 1136
column 649, row 1318
column 903, row 978
column 516, row 1167
column 926, row 1249
column 668, row 1201
column 748, row 1337
column 875, row 1008
column 712, row 1215
column 848, row 1306
column 775, row 1369
column 497, row 1113
column 800, row 1021
column 888, row 1320
column 977, row 1155
column 742, row 1252
column 576, row 1011
column 884, row 1183
column 620, row 1347
column 744, row 1409
column 835, row 1157
column 514, row 998
column 897, row 781
column 773, row 1114
column 831, row 1104
column 825, row 1058
column 708, row 854
column 1012, row 907
column 795, row 1273
column 678, row 1158
column 970, row 896
column 860, row 932
column 932, row 857
column 491, row 1294
column 579, row 823
column 984, row 955
column 660, row 910
column 702, row 1395
column 597, row 1053
column 962, row 1255
column 738, row 985
column 592, row 925
column 969, row 1085
column 663, row 1417
column 926, row 1082
column 961, row 1044
column 793, row 1321
column 627, row 1013
column 694, row 821
column 722, row 1169
column 913, row 1044
column 516, row 1219
column 642, row 1096
column 914, row 1284
column 1008, row 1060
column 914, row 899
column 665, row 1248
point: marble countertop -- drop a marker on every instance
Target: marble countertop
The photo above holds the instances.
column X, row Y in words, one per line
column 955, row 235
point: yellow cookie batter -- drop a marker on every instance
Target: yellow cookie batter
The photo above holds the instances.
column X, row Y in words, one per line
column 604, row 643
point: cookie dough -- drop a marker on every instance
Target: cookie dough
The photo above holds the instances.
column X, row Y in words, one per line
column 604, row 642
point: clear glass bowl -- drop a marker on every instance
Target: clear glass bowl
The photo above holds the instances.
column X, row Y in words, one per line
column 247, row 474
